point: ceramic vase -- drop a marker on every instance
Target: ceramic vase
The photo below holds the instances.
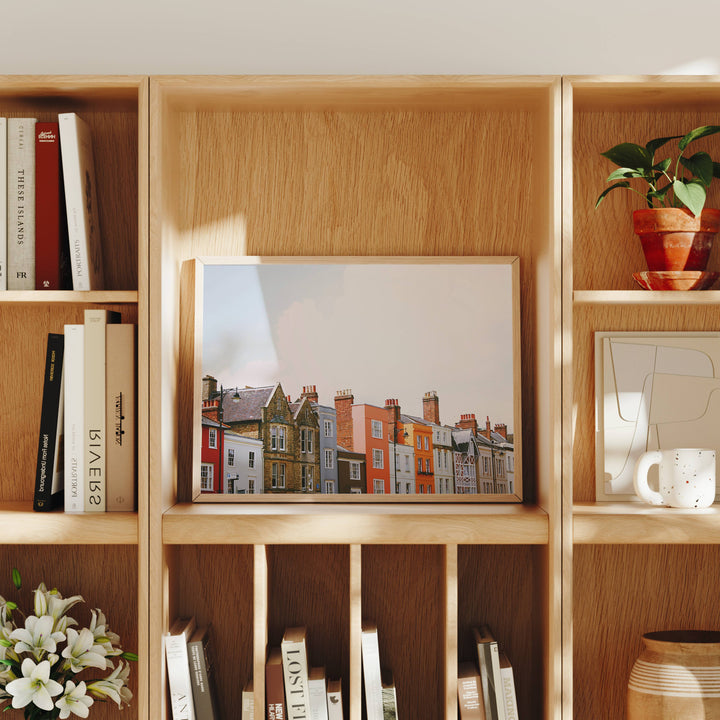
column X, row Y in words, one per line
column 676, row 677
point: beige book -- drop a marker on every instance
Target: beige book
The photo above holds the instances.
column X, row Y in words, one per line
column 296, row 673
column 96, row 321
column 470, row 700
column 120, row 411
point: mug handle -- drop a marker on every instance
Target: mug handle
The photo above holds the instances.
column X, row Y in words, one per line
column 640, row 481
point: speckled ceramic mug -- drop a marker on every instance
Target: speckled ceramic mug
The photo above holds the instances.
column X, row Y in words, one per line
column 686, row 477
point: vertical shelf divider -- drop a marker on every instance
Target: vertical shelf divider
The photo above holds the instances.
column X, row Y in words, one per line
column 355, row 683
column 260, row 626
column 451, row 631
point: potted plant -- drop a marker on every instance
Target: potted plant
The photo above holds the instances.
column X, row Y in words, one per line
column 676, row 230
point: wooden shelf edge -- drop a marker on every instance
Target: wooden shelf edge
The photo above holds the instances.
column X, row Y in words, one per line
column 280, row 524
column 51, row 297
column 639, row 524
column 646, row 297
column 21, row 526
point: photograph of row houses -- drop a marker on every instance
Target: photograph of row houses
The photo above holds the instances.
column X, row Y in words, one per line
column 258, row 440
column 395, row 330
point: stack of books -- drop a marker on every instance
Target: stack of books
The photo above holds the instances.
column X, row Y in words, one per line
column 49, row 220
column 86, row 450
column 486, row 690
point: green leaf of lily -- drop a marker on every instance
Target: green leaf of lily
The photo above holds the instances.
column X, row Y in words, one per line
column 691, row 194
column 697, row 133
column 629, row 155
column 17, row 580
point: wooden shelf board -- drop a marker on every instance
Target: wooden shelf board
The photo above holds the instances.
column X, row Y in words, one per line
column 124, row 297
column 646, row 297
column 21, row 526
column 637, row 523
column 284, row 523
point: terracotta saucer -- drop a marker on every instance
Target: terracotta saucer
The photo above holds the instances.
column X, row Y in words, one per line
column 676, row 279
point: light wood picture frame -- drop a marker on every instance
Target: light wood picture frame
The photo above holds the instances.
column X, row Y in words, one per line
column 350, row 379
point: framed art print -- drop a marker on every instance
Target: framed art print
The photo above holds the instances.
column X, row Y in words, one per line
column 356, row 379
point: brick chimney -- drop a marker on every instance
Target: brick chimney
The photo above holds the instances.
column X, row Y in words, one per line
column 501, row 429
column 431, row 407
column 393, row 410
column 486, row 432
column 210, row 409
column 344, row 400
column 468, row 422
column 209, row 387
column 310, row 392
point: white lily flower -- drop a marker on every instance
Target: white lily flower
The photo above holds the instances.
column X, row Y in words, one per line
column 82, row 652
column 35, row 686
column 51, row 602
column 37, row 636
column 75, row 700
column 103, row 635
column 113, row 686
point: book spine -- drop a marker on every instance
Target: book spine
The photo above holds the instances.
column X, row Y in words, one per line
column 200, row 681
column 372, row 675
column 96, row 321
column 21, row 203
column 317, row 693
column 274, row 691
column 509, row 696
column 78, row 170
column 120, row 411
column 46, row 477
column 74, row 381
column 334, row 702
column 47, row 207
column 3, row 203
column 469, row 700
column 178, row 671
column 485, row 682
column 295, row 672
column 248, row 705
column 496, row 679
column 389, row 704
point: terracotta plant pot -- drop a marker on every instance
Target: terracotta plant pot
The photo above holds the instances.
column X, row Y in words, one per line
column 676, row 676
column 674, row 239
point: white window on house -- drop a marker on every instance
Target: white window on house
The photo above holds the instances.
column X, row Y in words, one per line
column 427, row 446
column 407, row 463
column 206, row 476
column 355, row 491
column 419, row 443
column 252, row 485
column 231, row 456
column 302, row 440
column 378, row 459
column 328, row 426
column 421, row 489
column 486, row 466
column 427, row 465
column 419, row 465
column 274, row 475
column 407, row 488
column 511, row 463
column 310, row 435
column 277, row 438
column 376, row 428
column 379, row 487
column 310, row 477
column 212, row 438
column 304, row 477
column 281, row 475
column 499, row 468
column 329, row 487
column 354, row 470
column 251, row 459
column 278, row 475
column 329, row 459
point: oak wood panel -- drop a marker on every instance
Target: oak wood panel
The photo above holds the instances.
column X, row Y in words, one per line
column 621, row 592
column 215, row 584
column 85, row 570
column 504, row 587
column 357, row 523
column 588, row 319
column 309, row 585
column 21, row 384
column 404, row 593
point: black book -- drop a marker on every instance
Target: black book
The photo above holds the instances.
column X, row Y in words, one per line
column 49, row 471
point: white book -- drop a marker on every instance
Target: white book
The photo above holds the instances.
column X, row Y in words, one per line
column 248, row 703
column 296, row 673
column 3, row 203
column 21, row 203
column 83, row 218
column 489, row 662
column 178, row 668
column 508, row 686
column 74, row 382
column 317, row 689
column 334, row 700
column 371, row 671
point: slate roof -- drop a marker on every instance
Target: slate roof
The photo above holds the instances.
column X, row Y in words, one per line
column 413, row 419
column 461, row 439
column 250, row 405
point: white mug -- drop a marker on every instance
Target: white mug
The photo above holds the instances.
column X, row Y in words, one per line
column 686, row 477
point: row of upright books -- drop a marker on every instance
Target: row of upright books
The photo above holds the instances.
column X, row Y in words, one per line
column 49, row 221
column 486, row 689
column 86, row 458
column 294, row 689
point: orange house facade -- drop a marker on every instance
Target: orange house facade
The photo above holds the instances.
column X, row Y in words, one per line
column 420, row 437
column 370, row 436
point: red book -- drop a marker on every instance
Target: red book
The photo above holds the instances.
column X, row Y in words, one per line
column 51, row 244
column 275, row 686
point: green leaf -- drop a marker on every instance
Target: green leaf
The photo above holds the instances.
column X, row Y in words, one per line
column 6, row 662
column 691, row 194
column 700, row 165
column 663, row 165
column 629, row 155
column 653, row 145
column 10, row 605
column 697, row 133
column 624, row 184
column 129, row 656
column 716, row 170
column 17, row 581
column 624, row 173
